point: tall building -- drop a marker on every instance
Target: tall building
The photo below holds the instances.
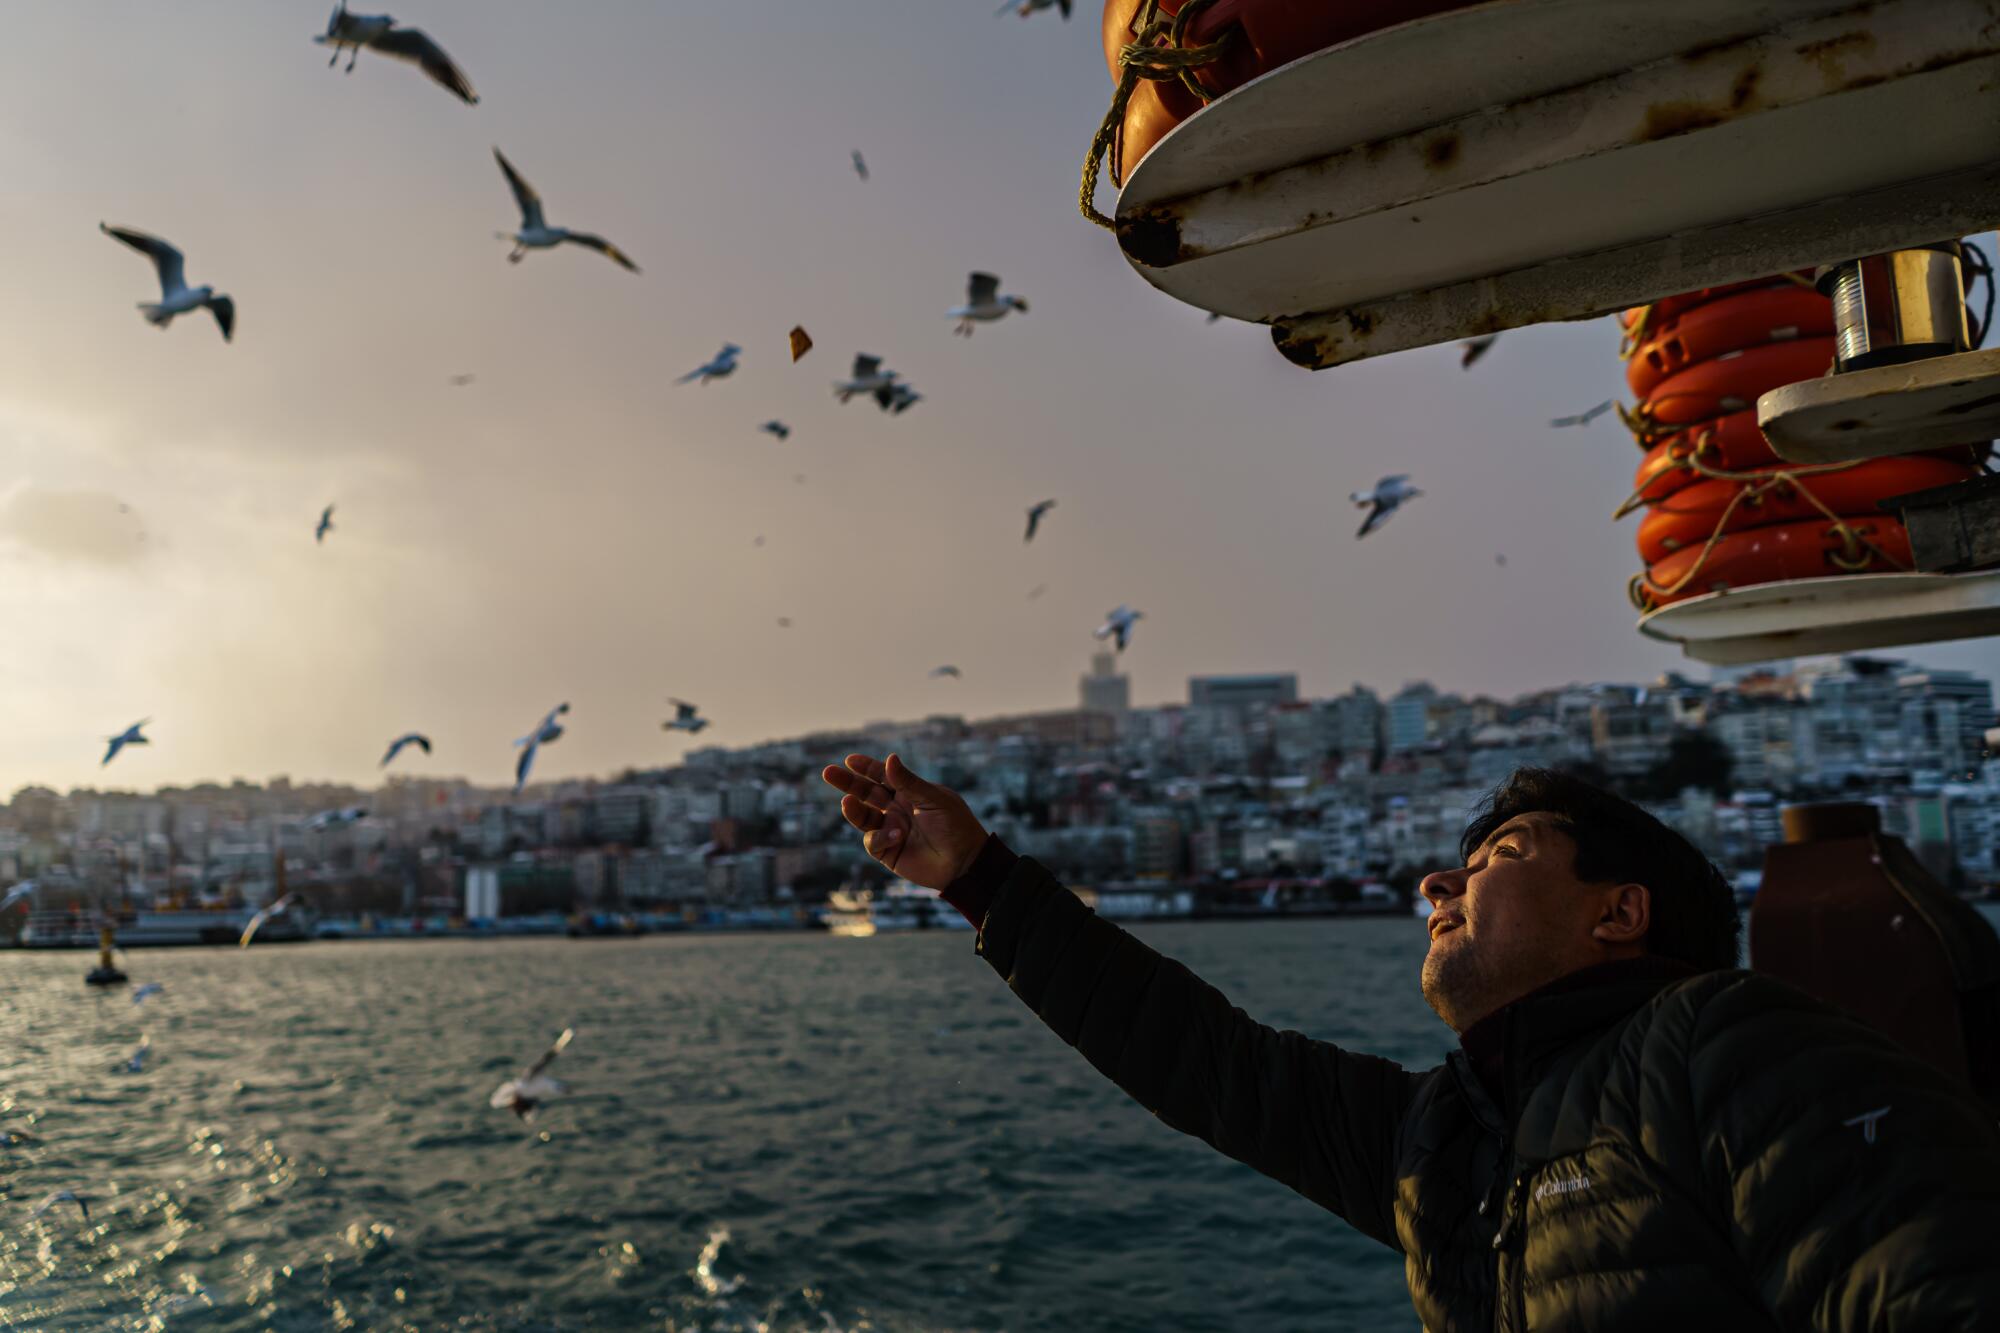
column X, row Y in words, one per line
column 1104, row 690
column 1410, row 717
column 1242, row 691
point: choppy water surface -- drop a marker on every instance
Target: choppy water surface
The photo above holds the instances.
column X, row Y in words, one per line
column 782, row 1132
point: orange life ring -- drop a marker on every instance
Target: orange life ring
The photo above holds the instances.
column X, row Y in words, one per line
column 1687, row 518
column 1642, row 321
column 1878, row 545
column 1733, row 381
column 1729, row 444
column 1716, row 328
column 1264, row 35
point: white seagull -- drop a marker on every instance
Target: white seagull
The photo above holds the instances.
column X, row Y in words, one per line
column 129, row 736
column 176, row 297
column 24, row 890
column 1583, row 418
column 547, row 730
column 135, row 1063
column 860, row 165
column 264, row 914
column 722, row 365
column 408, row 738
column 946, row 670
column 378, row 32
column 327, row 819
column 897, row 398
column 1026, row 8
column 777, row 428
column 522, row 1095
column 537, row 234
column 146, row 992
column 684, row 718
column 325, row 524
column 1035, row 512
column 1388, row 495
column 1118, row 625
column 867, row 377
column 62, row 1196
column 983, row 304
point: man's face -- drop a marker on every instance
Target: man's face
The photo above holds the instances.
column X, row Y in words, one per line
column 1513, row 918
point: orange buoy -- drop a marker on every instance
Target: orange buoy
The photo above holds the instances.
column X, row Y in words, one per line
column 1716, row 328
column 1260, row 35
column 1877, row 545
column 1733, row 381
column 1726, row 444
column 1687, row 518
column 1642, row 320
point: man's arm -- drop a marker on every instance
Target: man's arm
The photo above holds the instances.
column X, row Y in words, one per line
column 1861, row 1187
column 1306, row 1113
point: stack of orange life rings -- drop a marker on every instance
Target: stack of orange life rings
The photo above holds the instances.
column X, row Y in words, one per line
column 1722, row 510
column 1250, row 37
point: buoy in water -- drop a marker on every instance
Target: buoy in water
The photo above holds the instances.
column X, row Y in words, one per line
column 104, row 974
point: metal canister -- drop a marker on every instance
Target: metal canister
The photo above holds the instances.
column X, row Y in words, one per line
column 1905, row 305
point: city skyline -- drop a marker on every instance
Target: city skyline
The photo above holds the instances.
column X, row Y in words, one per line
column 570, row 525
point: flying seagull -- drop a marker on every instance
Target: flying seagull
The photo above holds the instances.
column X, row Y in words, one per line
column 20, row 892
column 801, row 341
column 1035, row 512
column 546, row 731
column 62, row 1196
column 522, row 1095
column 777, row 428
column 860, row 165
column 983, row 304
column 264, row 914
column 135, row 1063
column 1026, row 8
column 146, row 992
column 897, row 398
column 327, row 819
column 1582, row 418
column 176, row 297
column 1472, row 349
column 720, row 366
column 379, row 32
column 325, row 524
column 1118, row 625
column 129, row 736
column 946, row 670
column 408, row 738
column 684, row 718
column 867, row 377
column 537, row 234
column 1384, row 500
column 460, row 381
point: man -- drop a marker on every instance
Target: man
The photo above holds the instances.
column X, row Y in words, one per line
column 1633, row 1135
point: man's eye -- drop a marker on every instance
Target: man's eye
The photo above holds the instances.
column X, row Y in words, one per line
column 1507, row 847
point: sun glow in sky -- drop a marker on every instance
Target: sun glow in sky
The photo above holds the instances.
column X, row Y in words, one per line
column 572, row 525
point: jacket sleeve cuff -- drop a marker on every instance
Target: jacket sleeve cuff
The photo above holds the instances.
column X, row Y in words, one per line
column 973, row 892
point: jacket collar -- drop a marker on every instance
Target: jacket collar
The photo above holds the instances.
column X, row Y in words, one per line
column 1504, row 1049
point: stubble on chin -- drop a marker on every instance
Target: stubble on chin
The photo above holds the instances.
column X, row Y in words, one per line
column 1452, row 980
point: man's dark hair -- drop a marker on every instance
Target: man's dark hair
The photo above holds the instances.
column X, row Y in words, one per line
column 1693, row 908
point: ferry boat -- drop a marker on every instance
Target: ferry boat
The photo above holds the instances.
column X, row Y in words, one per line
column 147, row 929
column 901, row 906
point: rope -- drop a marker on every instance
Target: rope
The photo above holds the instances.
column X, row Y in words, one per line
column 1155, row 55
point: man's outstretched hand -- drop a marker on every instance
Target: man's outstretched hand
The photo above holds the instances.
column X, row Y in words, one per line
column 917, row 829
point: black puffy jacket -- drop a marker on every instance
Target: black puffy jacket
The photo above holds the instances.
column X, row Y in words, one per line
column 1714, row 1153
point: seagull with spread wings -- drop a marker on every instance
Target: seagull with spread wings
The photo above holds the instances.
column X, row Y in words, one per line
column 1583, row 418
column 1027, row 8
column 946, row 670
column 860, row 165
column 129, row 736
column 720, row 366
column 1472, row 349
column 867, row 377
column 1387, row 497
column 537, row 234
column 1035, row 512
column 984, row 303
column 325, row 524
column 176, row 297
column 522, row 1095
column 897, row 398
column 546, row 731
column 685, row 718
column 379, row 32
column 777, row 428
column 397, row 746
column 1118, row 625
column 264, row 914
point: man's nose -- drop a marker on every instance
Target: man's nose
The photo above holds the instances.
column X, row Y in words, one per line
column 1440, row 885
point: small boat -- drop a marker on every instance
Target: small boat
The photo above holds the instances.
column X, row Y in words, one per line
column 857, row 912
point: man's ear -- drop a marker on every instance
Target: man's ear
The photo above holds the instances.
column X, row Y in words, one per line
column 1625, row 914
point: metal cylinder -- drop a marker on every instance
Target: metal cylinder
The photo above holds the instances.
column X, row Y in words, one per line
column 1905, row 305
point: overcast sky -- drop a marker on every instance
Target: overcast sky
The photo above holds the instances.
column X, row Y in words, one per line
column 575, row 526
